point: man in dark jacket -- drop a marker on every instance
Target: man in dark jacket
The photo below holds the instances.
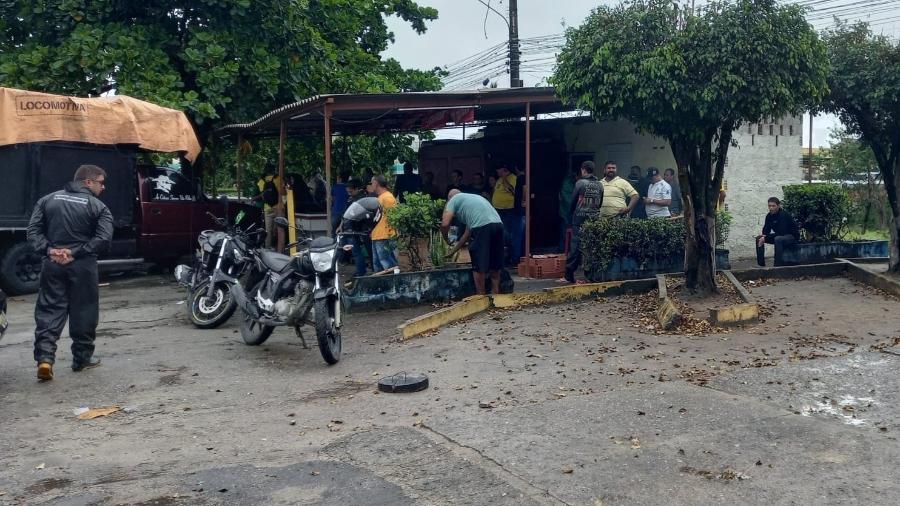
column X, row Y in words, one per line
column 779, row 229
column 586, row 201
column 69, row 228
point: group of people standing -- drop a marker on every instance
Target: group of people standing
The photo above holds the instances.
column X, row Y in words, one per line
column 611, row 197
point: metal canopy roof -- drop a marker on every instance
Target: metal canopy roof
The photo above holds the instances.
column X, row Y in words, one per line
column 398, row 112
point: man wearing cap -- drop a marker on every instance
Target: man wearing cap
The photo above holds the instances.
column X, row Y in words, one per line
column 659, row 195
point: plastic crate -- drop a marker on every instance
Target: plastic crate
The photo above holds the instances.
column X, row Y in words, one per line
column 543, row 267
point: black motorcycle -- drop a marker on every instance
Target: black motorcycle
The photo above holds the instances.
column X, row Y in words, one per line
column 282, row 290
column 221, row 258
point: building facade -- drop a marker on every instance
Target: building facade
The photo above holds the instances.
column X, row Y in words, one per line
column 766, row 157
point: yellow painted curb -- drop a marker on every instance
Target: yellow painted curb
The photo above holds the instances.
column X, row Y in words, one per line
column 437, row 319
column 734, row 315
column 478, row 303
column 570, row 293
column 667, row 314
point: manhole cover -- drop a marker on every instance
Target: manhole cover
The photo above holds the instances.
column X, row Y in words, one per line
column 403, row 382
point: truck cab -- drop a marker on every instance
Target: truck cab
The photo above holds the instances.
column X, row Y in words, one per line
column 158, row 212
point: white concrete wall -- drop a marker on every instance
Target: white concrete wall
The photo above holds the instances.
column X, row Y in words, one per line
column 756, row 168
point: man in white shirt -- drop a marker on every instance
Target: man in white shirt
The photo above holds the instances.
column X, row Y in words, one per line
column 659, row 195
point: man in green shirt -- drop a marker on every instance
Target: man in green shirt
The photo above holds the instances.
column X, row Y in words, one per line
column 484, row 226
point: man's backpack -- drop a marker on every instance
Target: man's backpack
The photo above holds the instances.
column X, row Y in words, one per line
column 270, row 192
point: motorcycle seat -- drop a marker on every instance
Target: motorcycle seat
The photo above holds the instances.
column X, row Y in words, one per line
column 275, row 261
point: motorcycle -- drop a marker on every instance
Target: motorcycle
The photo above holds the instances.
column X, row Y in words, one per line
column 221, row 258
column 282, row 290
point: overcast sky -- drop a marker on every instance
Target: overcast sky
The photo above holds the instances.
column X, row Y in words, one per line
column 459, row 32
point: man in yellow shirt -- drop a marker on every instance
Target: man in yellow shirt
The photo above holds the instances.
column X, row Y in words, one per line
column 504, row 201
column 270, row 192
column 615, row 192
column 384, row 238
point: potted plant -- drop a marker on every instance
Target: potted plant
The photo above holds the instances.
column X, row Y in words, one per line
column 416, row 221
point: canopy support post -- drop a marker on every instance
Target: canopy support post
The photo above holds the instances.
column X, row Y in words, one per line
column 327, row 115
column 527, row 195
column 239, row 155
column 282, row 136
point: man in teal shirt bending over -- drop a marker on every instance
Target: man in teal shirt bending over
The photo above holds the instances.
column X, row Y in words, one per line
column 484, row 226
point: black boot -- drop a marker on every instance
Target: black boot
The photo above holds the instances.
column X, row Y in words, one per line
column 90, row 364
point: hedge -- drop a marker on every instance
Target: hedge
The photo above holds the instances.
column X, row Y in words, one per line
column 644, row 240
column 821, row 210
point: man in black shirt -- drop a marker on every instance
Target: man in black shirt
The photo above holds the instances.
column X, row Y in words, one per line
column 69, row 228
column 779, row 229
column 586, row 201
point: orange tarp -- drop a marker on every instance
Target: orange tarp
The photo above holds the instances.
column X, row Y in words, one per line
column 27, row 116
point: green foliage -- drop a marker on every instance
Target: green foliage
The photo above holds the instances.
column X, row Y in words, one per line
column 221, row 61
column 723, row 226
column 848, row 159
column 680, row 76
column 652, row 240
column 864, row 89
column 415, row 220
column 692, row 79
column 821, row 210
column 438, row 250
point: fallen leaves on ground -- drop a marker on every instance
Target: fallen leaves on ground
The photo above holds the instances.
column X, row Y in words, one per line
column 98, row 412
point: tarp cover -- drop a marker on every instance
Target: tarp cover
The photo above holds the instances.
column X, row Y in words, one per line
column 27, row 116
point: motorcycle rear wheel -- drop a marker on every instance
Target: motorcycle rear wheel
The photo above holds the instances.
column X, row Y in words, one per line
column 254, row 333
column 206, row 313
column 327, row 333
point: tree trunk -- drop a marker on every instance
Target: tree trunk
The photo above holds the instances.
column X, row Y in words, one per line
column 697, row 181
column 891, row 173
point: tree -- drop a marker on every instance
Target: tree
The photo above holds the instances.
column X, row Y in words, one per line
column 847, row 159
column 850, row 162
column 221, row 61
column 692, row 79
column 865, row 93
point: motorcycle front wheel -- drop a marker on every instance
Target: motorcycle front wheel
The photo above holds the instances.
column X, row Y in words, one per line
column 327, row 333
column 210, row 312
column 254, row 333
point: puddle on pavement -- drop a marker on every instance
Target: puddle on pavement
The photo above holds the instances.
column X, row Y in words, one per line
column 847, row 409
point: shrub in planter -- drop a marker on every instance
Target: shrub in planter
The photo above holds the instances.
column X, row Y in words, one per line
column 415, row 220
column 644, row 241
column 723, row 227
column 821, row 210
column 604, row 239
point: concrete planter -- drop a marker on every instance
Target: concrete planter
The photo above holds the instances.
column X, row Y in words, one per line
column 812, row 252
column 628, row 268
column 371, row 293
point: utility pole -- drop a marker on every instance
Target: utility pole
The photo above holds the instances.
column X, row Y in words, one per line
column 514, row 81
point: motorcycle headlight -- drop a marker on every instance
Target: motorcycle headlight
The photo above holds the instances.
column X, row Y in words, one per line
column 238, row 257
column 183, row 274
column 323, row 261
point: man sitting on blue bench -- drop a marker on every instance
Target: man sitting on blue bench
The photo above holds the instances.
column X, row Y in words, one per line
column 779, row 229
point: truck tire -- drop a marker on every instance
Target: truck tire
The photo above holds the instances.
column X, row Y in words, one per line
column 20, row 269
